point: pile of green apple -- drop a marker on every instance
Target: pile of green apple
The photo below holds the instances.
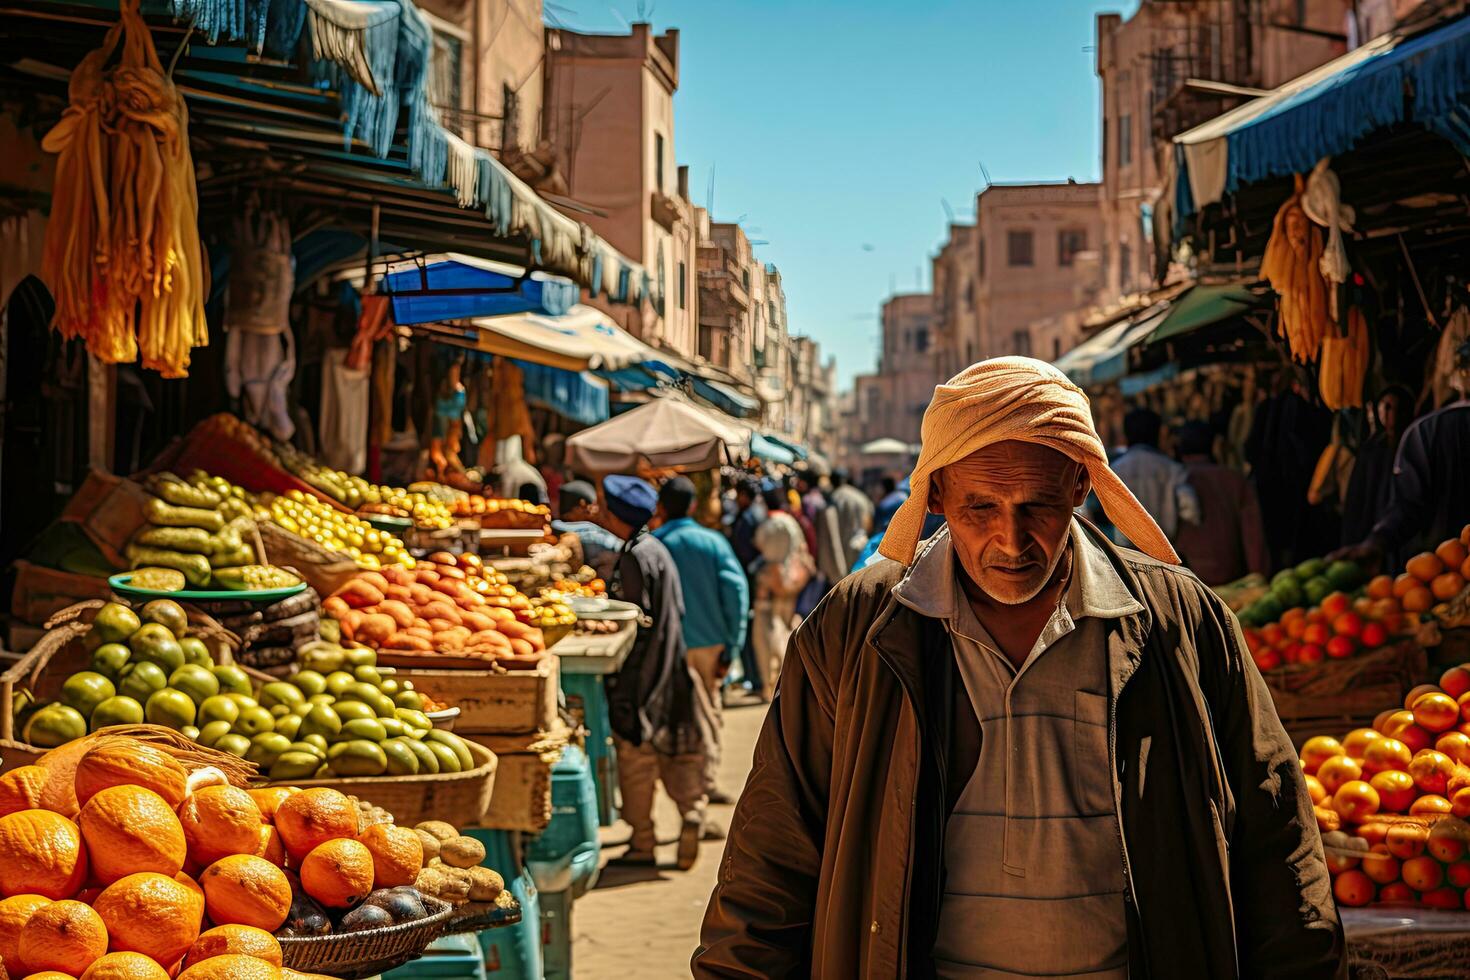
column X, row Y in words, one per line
column 336, row 715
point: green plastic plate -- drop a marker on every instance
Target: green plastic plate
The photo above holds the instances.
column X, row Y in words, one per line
column 120, row 583
column 389, row 523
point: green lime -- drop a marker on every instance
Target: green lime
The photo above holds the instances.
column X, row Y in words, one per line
column 243, row 700
column 401, row 760
column 86, row 690
column 321, row 720
column 322, row 698
column 139, row 680
column 253, row 721
column 210, row 733
column 361, row 657
column 409, row 699
column 1344, row 575
column 359, row 757
column 288, row 726
column 317, row 742
column 389, row 687
column 170, row 708
column 266, row 747
column 153, row 643
column 394, row 727
column 113, row 623
column 293, row 765
column 117, row 710
column 196, row 681
column 233, row 680
column 456, row 744
column 448, row 760
column 339, row 681
column 414, row 719
column 364, row 728
column 53, row 725
column 233, row 743
column 1317, row 589
column 311, row 748
column 1310, row 569
column 109, row 659
column 166, row 613
column 348, row 710
column 218, row 708
column 368, row 674
column 309, row 682
column 190, row 732
column 279, row 692
column 196, row 652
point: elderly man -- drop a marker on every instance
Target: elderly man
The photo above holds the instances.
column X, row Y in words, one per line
column 577, row 504
column 1022, row 751
column 651, row 699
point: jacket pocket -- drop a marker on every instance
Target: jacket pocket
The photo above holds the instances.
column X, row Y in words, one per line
column 1092, row 771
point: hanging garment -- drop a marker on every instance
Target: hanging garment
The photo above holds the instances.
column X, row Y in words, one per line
column 262, row 274
column 374, row 323
column 259, row 368
column 344, row 413
column 1322, row 202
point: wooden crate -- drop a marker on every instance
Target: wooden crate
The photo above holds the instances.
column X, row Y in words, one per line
column 1336, row 696
column 521, row 799
column 109, row 510
column 41, row 592
column 493, row 702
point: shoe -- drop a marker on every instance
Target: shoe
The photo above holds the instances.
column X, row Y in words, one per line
column 689, row 836
column 712, row 830
column 720, row 797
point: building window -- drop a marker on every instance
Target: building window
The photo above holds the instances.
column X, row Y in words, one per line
column 1021, row 342
column 1125, row 140
column 970, row 295
column 921, row 339
column 1125, row 265
column 1070, row 241
column 1056, row 348
column 980, row 247
column 1020, row 248
column 658, row 162
column 745, row 278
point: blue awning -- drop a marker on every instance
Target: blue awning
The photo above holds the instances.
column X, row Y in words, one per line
column 724, row 397
column 578, row 395
column 459, row 287
column 1396, row 78
column 770, row 450
column 795, row 448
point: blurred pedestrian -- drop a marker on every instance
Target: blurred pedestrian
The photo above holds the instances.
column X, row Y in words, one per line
column 1156, row 481
column 854, row 516
column 888, row 504
column 784, row 570
column 577, row 504
column 716, row 609
column 651, row 700
column 1368, row 486
column 1229, row 541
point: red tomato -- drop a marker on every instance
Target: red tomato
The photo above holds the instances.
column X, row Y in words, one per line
column 1310, row 653
column 1353, row 888
column 1348, row 624
column 1316, row 634
column 1397, row 893
column 1341, row 647
column 1374, row 635
column 1437, row 712
column 1336, row 604
column 1456, row 681
column 1382, row 866
column 1423, row 874
column 1395, row 788
column 1267, row 660
column 1431, row 771
column 1441, row 898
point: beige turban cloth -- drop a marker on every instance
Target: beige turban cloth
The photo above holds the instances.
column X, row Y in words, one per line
column 1025, row 400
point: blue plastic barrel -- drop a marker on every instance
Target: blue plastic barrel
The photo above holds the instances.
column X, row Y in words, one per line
column 454, row 957
column 588, row 705
column 511, row 952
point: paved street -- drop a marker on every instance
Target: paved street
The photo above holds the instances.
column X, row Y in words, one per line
column 645, row 921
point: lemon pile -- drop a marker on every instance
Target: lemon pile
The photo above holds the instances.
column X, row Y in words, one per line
column 310, row 518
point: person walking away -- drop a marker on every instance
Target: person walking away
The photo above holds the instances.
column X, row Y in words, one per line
column 784, row 570
column 1021, row 750
column 1229, row 540
column 1155, row 480
column 1368, row 485
column 577, row 504
column 809, row 488
column 892, row 499
column 651, row 699
column 854, row 517
column 1427, row 500
column 716, row 610
column 750, row 514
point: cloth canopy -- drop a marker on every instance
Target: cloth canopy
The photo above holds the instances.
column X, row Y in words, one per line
column 771, row 450
column 1103, row 357
column 583, row 339
column 460, row 287
column 1395, row 78
column 1201, row 307
column 579, row 396
column 884, row 447
column 665, row 432
column 724, row 397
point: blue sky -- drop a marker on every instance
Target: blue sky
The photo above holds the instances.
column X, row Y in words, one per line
column 832, row 125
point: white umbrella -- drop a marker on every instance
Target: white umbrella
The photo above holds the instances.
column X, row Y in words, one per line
column 884, row 447
column 665, row 432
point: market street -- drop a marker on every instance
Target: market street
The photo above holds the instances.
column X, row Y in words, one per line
column 651, row 917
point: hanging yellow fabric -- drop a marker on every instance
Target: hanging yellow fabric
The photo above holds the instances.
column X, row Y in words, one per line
column 122, row 254
column 1292, row 264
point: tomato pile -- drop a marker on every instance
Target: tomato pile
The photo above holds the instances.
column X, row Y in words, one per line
column 1391, row 800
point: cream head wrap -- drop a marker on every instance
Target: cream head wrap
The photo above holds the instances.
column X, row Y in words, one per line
column 1021, row 399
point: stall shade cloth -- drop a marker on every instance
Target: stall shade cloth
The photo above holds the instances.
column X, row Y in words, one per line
column 460, row 287
column 1026, row 400
column 665, row 432
column 582, row 339
column 771, row 450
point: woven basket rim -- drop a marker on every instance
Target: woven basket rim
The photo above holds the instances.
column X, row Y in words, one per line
column 436, row 917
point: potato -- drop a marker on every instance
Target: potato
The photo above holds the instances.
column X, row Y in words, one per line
column 375, row 628
column 461, row 852
column 438, row 828
column 456, row 886
column 485, row 884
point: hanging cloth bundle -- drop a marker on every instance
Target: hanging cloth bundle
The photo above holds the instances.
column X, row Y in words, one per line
column 262, row 277
column 1292, row 264
column 1322, row 202
column 122, row 253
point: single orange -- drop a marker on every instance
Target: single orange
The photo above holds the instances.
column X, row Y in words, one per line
column 14, row 912
column 219, row 821
column 1436, row 711
column 127, row 761
column 1338, row 770
column 1418, row 599
column 1317, row 750
column 1452, row 553
column 130, row 829
column 1445, row 587
column 274, row 851
column 125, row 966
column 151, row 914
column 1406, row 840
column 41, row 853
column 242, row 940
column 1353, row 888
column 246, row 890
column 1403, row 584
column 1424, row 566
column 398, row 854
column 1422, row 873
column 1381, row 587
column 1355, row 801
column 1386, row 753
column 1380, row 865
column 1357, row 740
column 269, row 799
column 66, row 936
column 232, row 966
column 1432, row 805
column 338, row 873
column 1396, row 791
column 312, row 817
column 20, row 789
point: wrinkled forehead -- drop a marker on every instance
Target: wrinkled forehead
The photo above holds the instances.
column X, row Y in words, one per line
column 1012, row 467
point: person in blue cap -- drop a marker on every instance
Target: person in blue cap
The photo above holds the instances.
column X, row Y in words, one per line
column 651, row 700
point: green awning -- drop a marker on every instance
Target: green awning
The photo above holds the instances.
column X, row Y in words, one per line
column 1202, row 306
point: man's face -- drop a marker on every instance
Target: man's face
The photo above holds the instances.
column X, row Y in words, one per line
column 1009, row 507
column 582, row 511
column 1388, row 413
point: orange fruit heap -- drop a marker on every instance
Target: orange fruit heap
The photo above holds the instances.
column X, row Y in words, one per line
column 243, row 940
column 151, row 914
column 14, row 912
column 66, row 936
column 129, row 829
column 219, row 821
column 246, row 890
column 310, row 818
column 125, row 966
column 41, row 853
column 129, row 762
column 398, row 854
column 232, row 966
column 338, row 873
column 20, row 789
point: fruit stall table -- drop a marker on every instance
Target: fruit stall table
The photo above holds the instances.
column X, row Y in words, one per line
column 585, row 660
column 1406, row 942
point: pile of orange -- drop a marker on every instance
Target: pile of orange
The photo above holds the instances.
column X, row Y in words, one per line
column 1392, row 800
column 161, row 875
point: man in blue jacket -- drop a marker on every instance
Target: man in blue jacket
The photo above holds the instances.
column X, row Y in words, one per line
column 716, row 608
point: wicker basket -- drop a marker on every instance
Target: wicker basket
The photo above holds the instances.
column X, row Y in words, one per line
column 479, row 916
column 459, row 798
column 1336, row 696
column 351, row 955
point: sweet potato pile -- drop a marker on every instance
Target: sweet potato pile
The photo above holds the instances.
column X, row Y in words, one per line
column 435, row 608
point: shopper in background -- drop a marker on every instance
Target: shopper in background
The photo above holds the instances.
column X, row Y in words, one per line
column 892, row 499
column 1229, row 540
column 553, row 456
column 854, row 516
column 784, row 570
column 809, row 488
column 651, row 700
column 750, row 513
column 1368, row 486
column 577, row 502
column 1159, row 483
column 716, row 609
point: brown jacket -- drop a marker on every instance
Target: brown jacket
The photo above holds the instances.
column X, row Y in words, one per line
column 834, row 862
